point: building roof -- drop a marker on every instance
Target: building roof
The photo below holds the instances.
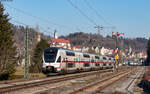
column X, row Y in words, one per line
column 78, row 46
column 59, row 40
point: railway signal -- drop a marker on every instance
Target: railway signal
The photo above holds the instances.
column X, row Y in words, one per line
column 117, row 44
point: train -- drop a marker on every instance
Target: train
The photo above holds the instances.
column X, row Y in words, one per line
column 60, row 60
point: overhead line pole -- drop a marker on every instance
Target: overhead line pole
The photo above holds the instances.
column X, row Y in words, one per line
column 99, row 28
column 26, row 66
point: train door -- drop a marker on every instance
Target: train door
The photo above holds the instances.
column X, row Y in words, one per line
column 92, row 62
column 81, row 59
column 104, row 60
column 97, row 64
column 64, row 62
column 57, row 64
column 86, row 61
column 77, row 62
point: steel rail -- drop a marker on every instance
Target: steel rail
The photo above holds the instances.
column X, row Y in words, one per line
column 14, row 87
column 102, row 81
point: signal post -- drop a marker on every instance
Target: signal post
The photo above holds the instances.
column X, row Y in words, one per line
column 117, row 49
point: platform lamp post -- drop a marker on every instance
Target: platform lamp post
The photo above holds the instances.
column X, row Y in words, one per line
column 117, row 44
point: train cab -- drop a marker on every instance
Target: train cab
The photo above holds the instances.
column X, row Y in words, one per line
column 51, row 60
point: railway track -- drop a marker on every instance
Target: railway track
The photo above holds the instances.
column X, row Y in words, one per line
column 131, row 83
column 99, row 86
column 10, row 87
column 22, row 85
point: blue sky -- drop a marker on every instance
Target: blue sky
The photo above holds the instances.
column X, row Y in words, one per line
column 131, row 17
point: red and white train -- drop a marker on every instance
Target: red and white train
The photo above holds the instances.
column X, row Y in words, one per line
column 59, row 60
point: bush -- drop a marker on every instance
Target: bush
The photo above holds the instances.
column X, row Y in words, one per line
column 8, row 75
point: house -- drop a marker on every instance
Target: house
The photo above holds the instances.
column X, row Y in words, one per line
column 77, row 48
column 105, row 51
column 96, row 49
column 60, row 42
column 85, row 49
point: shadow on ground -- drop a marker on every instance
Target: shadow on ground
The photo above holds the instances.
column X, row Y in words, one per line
column 142, row 85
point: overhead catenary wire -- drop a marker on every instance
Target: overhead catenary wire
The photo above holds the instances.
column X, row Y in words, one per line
column 111, row 26
column 96, row 12
column 18, row 22
column 81, row 12
column 38, row 18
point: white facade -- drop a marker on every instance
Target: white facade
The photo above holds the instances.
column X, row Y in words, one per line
column 105, row 51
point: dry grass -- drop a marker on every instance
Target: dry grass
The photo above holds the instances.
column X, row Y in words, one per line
column 118, row 92
column 136, row 88
column 20, row 73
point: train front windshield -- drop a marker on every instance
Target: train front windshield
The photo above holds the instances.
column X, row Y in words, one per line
column 50, row 55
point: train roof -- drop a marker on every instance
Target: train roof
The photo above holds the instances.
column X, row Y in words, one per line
column 59, row 48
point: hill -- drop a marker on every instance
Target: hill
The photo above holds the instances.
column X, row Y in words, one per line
column 89, row 39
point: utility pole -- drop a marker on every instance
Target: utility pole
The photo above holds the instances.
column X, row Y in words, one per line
column 26, row 67
column 117, row 43
column 99, row 28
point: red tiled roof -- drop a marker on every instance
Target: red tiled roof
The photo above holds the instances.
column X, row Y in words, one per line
column 78, row 46
column 59, row 40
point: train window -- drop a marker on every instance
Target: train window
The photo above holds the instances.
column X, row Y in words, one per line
column 59, row 59
column 86, row 55
column 109, row 58
column 110, row 64
column 104, row 58
column 70, row 65
column 97, row 57
column 104, row 64
column 92, row 60
column 50, row 55
column 96, row 64
column 86, row 64
column 70, row 53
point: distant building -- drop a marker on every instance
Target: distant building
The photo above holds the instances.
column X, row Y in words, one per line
column 85, row 49
column 96, row 49
column 38, row 34
column 60, row 42
column 141, row 55
column 105, row 51
column 77, row 48
column 55, row 34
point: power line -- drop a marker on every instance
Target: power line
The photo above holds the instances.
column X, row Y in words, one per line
column 81, row 12
column 18, row 22
column 100, row 16
column 36, row 17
